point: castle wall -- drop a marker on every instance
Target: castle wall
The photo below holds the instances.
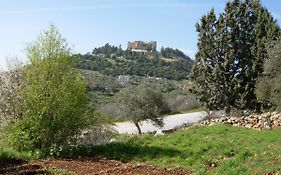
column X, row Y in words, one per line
column 142, row 46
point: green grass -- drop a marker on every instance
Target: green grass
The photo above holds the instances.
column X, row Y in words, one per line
column 60, row 171
column 11, row 154
column 218, row 149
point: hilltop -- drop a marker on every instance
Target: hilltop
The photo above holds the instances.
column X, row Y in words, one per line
column 109, row 60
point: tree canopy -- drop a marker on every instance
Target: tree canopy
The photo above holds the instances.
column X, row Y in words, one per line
column 143, row 102
column 231, row 54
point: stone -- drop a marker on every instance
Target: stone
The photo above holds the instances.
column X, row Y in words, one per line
column 159, row 133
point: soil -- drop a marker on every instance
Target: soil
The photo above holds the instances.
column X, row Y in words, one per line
column 20, row 167
column 84, row 166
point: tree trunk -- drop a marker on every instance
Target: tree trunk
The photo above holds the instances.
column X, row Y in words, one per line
column 227, row 109
column 138, row 126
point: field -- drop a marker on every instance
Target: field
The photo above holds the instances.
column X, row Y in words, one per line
column 218, row 149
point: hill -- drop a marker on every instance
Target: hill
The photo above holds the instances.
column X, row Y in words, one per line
column 169, row 63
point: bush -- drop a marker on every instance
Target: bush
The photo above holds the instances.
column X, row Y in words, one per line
column 179, row 101
column 56, row 107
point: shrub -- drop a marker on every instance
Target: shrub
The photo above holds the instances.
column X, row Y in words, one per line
column 56, row 107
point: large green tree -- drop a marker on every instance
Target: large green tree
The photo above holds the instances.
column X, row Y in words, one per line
column 56, row 102
column 231, row 51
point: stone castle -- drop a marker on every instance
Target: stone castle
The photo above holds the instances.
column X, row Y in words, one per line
column 141, row 46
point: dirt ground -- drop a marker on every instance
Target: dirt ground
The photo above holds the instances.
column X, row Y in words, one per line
column 83, row 166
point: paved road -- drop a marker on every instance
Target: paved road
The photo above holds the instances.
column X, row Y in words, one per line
column 170, row 121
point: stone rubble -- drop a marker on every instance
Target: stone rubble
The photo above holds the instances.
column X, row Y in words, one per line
column 263, row 121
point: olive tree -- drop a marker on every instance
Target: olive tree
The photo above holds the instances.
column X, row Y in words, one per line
column 142, row 102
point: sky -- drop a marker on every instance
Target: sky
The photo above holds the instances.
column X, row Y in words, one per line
column 87, row 24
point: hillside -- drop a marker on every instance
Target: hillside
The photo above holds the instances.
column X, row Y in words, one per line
column 109, row 60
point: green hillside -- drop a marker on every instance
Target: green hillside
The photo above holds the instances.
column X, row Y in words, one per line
column 169, row 63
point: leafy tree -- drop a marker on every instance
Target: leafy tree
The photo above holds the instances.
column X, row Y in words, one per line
column 56, row 106
column 140, row 103
column 227, row 63
column 269, row 85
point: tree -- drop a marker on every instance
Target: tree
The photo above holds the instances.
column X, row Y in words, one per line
column 140, row 103
column 11, row 100
column 227, row 63
column 56, row 106
column 269, row 84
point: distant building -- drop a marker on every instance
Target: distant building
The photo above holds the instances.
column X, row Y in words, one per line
column 124, row 79
column 141, row 46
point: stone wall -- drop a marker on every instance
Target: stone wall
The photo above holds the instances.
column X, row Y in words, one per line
column 254, row 121
column 142, row 46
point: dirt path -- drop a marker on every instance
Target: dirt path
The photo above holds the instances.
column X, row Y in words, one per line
column 85, row 166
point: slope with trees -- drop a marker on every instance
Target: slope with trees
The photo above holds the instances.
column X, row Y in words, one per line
column 113, row 61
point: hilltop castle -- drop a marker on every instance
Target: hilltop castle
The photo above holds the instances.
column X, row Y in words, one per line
column 141, row 46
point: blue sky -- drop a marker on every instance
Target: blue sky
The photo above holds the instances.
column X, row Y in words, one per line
column 91, row 23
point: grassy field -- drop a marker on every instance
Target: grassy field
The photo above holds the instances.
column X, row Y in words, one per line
column 218, row 149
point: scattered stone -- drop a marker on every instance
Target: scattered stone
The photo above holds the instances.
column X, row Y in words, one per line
column 159, row 133
column 263, row 121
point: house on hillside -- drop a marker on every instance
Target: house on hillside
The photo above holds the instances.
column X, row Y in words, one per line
column 124, row 79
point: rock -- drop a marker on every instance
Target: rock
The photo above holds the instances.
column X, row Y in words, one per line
column 112, row 140
column 253, row 121
column 159, row 133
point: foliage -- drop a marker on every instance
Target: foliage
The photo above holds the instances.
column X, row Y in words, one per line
column 110, row 60
column 11, row 99
column 217, row 149
column 56, row 106
column 269, row 85
column 140, row 103
column 181, row 101
column 172, row 53
column 107, row 49
column 231, row 54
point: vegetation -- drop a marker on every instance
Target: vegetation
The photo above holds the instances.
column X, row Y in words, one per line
column 56, row 105
column 113, row 61
column 172, row 53
column 218, row 149
column 181, row 100
column 45, row 105
column 11, row 99
column 269, row 85
column 231, row 55
column 140, row 103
